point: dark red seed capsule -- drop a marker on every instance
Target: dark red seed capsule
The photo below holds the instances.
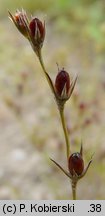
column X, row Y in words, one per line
column 62, row 79
column 37, row 27
column 76, row 163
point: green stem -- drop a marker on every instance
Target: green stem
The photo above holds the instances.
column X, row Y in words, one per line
column 61, row 111
column 74, row 184
column 43, row 67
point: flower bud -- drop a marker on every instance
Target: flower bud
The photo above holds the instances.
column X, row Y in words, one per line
column 20, row 20
column 62, row 84
column 76, row 164
column 37, row 30
column 33, row 30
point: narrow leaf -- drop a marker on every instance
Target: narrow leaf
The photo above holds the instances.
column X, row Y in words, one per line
column 73, row 85
column 64, row 171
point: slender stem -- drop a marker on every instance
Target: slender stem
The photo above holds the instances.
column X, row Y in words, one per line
column 61, row 111
column 43, row 67
column 74, row 184
column 41, row 62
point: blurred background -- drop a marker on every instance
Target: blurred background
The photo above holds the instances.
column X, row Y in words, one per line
column 30, row 128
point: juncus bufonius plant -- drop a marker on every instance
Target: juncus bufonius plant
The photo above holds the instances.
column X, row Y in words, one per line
column 34, row 30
